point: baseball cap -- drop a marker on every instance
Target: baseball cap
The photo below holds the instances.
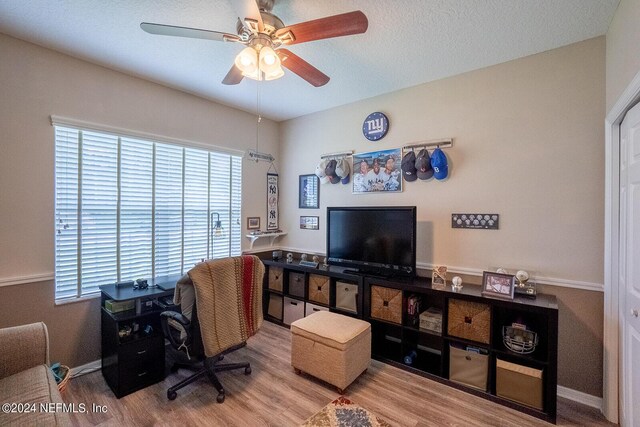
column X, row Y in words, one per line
column 343, row 170
column 409, row 166
column 330, row 170
column 439, row 164
column 423, row 165
column 320, row 173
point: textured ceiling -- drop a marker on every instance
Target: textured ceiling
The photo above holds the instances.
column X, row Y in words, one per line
column 408, row 42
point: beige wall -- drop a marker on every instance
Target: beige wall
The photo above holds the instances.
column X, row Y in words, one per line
column 623, row 49
column 36, row 83
column 528, row 144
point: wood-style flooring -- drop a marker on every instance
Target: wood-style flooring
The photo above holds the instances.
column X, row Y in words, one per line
column 273, row 395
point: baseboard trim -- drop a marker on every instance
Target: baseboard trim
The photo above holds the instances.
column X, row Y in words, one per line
column 86, row 368
column 580, row 397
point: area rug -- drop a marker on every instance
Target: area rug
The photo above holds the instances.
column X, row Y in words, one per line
column 344, row 413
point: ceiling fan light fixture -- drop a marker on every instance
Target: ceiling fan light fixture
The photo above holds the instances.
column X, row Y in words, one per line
column 247, row 61
column 276, row 74
column 269, row 61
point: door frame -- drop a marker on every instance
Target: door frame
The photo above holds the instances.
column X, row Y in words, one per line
column 611, row 367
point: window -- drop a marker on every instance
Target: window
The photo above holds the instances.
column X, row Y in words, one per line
column 128, row 208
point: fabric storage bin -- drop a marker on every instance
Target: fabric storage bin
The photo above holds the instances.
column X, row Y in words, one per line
column 468, row 367
column 296, row 284
column 312, row 308
column 469, row 320
column 386, row 304
column 275, row 306
column 347, row 296
column 275, row 278
column 319, row 289
column 519, row 383
column 293, row 310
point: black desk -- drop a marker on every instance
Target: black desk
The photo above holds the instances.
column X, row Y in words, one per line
column 132, row 340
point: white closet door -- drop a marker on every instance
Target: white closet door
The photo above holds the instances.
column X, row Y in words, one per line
column 630, row 265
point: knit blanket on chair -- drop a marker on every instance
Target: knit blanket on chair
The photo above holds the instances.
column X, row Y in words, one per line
column 228, row 300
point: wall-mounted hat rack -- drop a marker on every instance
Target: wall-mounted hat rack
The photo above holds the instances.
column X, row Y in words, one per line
column 432, row 143
column 336, row 156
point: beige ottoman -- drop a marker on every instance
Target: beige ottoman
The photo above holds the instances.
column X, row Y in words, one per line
column 331, row 347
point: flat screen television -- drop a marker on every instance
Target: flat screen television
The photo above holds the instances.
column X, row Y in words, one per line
column 373, row 240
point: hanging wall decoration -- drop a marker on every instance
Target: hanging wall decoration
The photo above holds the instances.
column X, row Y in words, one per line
column 272, row 201
column 375, row 126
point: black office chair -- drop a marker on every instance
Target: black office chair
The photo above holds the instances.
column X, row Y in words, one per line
column 202, row 343
column 188, row 352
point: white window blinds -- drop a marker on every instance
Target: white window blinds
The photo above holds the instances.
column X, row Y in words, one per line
column 127, row 208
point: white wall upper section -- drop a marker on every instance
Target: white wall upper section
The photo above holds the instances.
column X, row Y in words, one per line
column 37, row 82
column 528, row 144
column 623, row 49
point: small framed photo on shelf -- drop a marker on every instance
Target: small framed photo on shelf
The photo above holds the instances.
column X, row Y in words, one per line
column 309, row 222
column 498, row 285
column 253, row 223
column 309, row 192
column 439, row 277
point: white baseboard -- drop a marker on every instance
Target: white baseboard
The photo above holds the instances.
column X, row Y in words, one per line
column 580, row 397
column 86, row 368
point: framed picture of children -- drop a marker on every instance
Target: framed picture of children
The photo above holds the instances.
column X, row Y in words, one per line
column 377, row 171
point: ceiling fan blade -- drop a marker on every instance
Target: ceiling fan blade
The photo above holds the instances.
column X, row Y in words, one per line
column 302, row 68
column 233, row 77
column 332, row 26
column 193, row 33
column 248, row 13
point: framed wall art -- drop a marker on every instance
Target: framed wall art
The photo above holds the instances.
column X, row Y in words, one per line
column 497, row 285
column 253, row 223
column 309, row 192
column 309, row 222
column 377, row 171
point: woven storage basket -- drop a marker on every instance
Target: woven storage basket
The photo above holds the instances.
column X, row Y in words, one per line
column 469, row 320
column 62, row 385
column 386, row 304
column 319, row 288
column 275, row 278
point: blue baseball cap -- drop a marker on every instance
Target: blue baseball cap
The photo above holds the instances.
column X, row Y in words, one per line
column 439, row 164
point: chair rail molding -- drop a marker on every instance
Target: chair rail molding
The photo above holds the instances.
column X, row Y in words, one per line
column 30, row 278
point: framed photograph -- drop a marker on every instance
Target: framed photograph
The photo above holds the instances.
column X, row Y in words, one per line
column 309, row 192
column 377, row 171
column 253, row 223
column 439, row 277
column 497, row 285
column 309, row 222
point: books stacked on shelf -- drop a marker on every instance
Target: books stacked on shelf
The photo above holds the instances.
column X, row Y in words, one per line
column 413, row 308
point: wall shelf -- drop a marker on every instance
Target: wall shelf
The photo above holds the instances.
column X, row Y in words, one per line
column 272, row 237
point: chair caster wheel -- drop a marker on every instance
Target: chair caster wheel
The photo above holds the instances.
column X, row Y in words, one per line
column 247, row 370
column 220, row 398
column 171, row 395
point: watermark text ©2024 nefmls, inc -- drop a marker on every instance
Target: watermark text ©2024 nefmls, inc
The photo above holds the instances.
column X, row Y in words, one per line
column 78, row 408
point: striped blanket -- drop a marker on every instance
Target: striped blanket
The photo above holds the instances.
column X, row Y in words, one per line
column 228, row 300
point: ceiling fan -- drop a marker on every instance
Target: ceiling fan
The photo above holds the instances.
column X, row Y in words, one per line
column 264, row 34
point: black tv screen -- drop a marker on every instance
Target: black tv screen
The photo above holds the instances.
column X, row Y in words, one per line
column 378, row 240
